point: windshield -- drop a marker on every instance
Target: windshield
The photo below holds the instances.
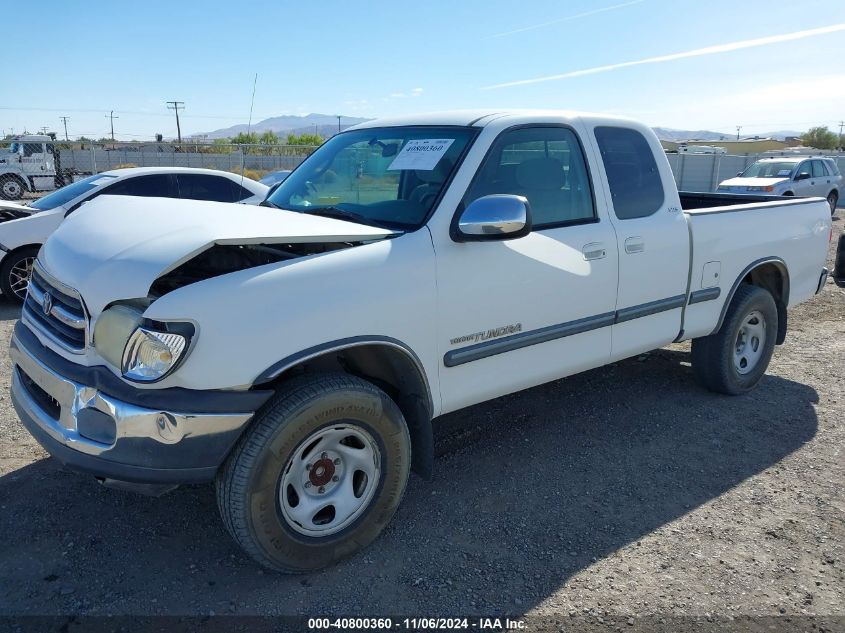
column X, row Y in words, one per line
column 69, row 192
column 387, row 177
column 14, row 147
column 769, row 170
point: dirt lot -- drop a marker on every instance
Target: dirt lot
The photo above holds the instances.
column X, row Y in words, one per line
column 624, row 491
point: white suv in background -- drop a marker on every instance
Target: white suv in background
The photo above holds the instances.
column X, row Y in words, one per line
column 24, row 228
column 789, row 176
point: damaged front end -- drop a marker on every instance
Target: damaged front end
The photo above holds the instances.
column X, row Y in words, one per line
column 222, row 259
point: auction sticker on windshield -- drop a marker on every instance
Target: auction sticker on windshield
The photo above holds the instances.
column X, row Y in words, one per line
column 423, row 153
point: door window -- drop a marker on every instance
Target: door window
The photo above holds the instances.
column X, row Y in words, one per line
column 634, row 180
column 819, row 169
column 547, row 166
column 152, row 186
column 206, row 187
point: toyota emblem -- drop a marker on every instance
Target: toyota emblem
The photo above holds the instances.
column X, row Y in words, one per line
column 47, row 303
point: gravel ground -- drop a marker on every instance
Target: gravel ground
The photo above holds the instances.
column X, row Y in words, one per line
column 624, row 491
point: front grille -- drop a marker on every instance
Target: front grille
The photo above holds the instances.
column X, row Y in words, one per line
column 47, row 402
column 63, row 320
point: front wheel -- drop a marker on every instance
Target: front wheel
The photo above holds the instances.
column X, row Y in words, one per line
column 734, row 359
column 318, row 475
column 15, row 272
column 11, row 188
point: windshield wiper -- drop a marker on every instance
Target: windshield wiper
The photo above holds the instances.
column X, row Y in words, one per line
column 341, row 214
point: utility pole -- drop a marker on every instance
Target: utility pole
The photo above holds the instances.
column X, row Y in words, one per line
column 738, row 128
column 177, row 105
column 841, row 125
column 44, row 130
column 65, row 120
column 338, row 123
column 111, row 117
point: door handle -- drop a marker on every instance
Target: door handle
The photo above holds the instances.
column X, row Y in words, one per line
column 634, row 245
column 594, row 250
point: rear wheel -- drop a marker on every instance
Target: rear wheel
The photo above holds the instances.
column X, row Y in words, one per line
column 11, row 187
column 318, row 475
column 15, row 272
column 734, row 359
column 832, row 200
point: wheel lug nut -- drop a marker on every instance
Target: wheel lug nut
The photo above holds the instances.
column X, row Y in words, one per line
column 337, row 461
column 307, row 484
column 335, row 478
column 323, row 455
column 308, row 466
column 321, row 490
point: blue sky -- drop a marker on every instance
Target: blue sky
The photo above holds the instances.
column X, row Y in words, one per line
column 380, row 58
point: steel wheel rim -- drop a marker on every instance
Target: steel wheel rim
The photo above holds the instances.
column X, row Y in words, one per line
column 330, row 480
column 19, row 276
column 750, row 342
column 12, row 188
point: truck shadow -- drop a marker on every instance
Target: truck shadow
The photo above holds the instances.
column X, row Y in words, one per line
column 529, row 490
column 9, row 311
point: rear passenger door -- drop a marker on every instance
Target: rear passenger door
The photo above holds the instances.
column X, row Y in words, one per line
column 821, row 180
column 652, row 237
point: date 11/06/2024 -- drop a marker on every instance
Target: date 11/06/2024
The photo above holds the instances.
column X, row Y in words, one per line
column 413, row 624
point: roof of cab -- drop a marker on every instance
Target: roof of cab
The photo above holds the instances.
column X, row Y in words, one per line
column 476, row 118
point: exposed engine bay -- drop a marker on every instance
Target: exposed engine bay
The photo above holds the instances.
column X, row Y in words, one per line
column 222, row 259
column 12, row 214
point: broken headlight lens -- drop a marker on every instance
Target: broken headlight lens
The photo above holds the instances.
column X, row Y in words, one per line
column 151, row 354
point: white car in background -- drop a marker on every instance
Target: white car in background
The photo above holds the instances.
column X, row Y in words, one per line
column 25, row 227
column 789, row 176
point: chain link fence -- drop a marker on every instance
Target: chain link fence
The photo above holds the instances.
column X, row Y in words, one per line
column 32, row 165
column 38, row 165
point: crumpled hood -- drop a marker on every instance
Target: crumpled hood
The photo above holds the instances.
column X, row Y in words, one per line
column 115, row 247
column 753, row 182
column 16, row 207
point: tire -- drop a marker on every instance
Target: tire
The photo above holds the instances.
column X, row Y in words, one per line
column 729, row 361
column 11, row 187
column 15, row 272
column 315, row 437
column 832, row 200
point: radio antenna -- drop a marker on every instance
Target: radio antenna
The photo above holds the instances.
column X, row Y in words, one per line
column 248, row 127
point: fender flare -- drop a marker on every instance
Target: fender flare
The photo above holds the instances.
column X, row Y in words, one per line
column 418, row 409
column 784, row 271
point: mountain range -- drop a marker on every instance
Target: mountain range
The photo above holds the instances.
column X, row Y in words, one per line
column 323, row 124
column 669, row 134
column 327, row 124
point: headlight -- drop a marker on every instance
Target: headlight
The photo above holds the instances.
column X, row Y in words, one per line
column 145, row 351
column 757, row 188
column 150, row 355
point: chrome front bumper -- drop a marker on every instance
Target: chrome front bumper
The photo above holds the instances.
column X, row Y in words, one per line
column 90, row 430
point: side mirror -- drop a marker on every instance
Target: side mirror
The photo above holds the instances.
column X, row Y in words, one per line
column 494, row 217
column 802, row 176
column 739, row 173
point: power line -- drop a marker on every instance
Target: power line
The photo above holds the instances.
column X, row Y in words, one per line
column 65, row 120
column 177, row 105
column 111, row 116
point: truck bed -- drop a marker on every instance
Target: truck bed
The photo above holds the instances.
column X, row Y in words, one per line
column 704, row 200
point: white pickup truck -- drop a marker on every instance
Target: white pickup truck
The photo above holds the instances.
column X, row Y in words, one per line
column 297, row 353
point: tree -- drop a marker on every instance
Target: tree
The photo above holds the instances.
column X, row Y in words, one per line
column 269, row 138
column 305, row 139
column 246, row 139
column 820, row 138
